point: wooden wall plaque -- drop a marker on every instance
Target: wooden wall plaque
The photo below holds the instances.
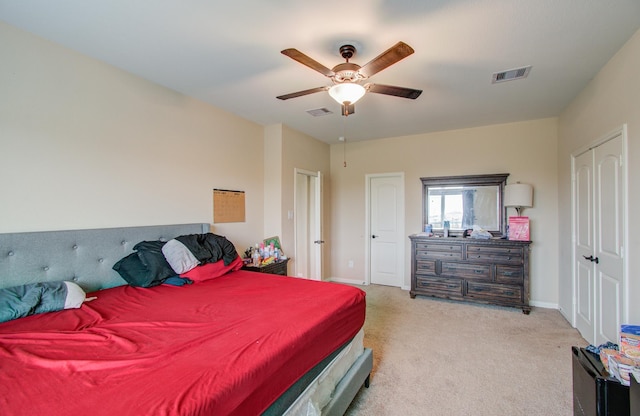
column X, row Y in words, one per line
column 228, row 206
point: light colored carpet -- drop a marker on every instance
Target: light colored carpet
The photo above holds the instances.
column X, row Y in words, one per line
column 437, row 357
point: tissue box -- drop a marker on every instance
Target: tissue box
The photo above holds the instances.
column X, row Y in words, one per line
column 630, row 341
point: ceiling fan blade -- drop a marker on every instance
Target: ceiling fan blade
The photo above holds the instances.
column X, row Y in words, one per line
column 296, row 55
column 387, row 58
column 393, row 90
column 301, row 93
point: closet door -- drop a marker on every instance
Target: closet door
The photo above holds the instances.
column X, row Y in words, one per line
column 584, row 284
column 599, row 288
column 609, row 232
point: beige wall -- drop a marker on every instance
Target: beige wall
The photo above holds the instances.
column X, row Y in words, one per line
column 272, row 178
column 286, row 150
column 85, row 145
column 526, row 150
column 302, row 152
column 611, row 100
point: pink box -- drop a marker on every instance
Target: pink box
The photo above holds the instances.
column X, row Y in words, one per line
column 519, row 228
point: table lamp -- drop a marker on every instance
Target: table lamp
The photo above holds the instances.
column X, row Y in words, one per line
column 519, row 196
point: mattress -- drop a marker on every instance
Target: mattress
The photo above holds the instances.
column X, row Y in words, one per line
column 319, row 392
column 230, row 345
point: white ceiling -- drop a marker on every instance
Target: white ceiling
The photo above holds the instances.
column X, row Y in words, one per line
column 227, row 53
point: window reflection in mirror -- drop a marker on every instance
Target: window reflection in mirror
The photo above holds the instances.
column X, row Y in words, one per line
column 464, row 207
column 464, row 201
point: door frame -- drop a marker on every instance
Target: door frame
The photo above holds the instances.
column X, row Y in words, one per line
column 317, row 250
column 620, row 131
column 367, row 226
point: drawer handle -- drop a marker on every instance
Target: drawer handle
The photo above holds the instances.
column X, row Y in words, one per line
column 508, row 293
column 479, row 271
column 508, row 274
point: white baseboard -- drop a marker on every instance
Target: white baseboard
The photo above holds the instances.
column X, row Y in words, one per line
column 547, row 305
column 357, row 282
column 347, row 281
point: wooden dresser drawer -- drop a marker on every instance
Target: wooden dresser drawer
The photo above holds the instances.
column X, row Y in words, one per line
column 467, row 270
column 439, row 286
column 438, row 251
column 514, row 251
column 426, row 267
column 509, row 274
column 495, row 254
column 439, row 247
column 494, row 291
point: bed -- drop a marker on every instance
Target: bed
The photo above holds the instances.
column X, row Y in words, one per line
column 238, row 343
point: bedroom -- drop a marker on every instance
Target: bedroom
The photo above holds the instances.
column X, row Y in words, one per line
column 86, row 145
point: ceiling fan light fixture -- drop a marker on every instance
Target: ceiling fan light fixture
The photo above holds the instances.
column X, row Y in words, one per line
column 347, row 92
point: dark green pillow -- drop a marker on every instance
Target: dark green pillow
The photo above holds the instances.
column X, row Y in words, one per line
column 145, row 267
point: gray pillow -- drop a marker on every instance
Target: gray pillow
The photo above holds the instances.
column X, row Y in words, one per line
column 179, row 256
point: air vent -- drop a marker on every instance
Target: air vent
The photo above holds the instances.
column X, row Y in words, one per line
column 511, row 74
column 320, row 112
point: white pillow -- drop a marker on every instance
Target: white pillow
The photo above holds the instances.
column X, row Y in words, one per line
column 179, row 257
column 75, row 295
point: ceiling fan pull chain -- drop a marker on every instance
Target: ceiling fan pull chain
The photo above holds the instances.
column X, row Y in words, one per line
column 344, row 141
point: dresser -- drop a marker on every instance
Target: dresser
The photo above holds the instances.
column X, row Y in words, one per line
column 487, row 271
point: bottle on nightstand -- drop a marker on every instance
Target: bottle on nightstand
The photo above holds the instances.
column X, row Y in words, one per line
column 256, row 256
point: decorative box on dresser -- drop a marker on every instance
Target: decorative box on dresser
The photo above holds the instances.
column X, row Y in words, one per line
column 494, row 271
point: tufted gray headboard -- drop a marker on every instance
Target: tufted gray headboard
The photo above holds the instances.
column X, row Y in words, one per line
column 83, row 256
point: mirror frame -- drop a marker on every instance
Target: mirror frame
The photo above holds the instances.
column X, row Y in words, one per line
column 496, row 179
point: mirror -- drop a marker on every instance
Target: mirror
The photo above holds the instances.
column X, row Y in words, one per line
column 464, row 201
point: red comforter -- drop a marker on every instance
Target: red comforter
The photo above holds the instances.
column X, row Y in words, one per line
column 230, row 345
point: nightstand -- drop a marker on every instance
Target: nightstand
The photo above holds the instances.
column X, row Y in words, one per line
column 279, row 267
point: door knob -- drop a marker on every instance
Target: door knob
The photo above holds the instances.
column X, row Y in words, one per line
column 373, row 236
column 319, row 242
column 591, row 258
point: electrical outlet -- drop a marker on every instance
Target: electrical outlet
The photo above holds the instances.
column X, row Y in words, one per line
column 350, row 264
column 290, row 215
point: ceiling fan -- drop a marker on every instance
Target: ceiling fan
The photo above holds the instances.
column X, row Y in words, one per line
column 347, row 76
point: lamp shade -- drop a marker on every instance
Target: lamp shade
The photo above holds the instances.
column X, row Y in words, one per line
column 347, row 92
column 518, row 195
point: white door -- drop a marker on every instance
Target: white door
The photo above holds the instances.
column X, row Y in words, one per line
column 609, row 233
column 583, row 245
column 386, row 229
column 308, row 224
column 599, row 241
